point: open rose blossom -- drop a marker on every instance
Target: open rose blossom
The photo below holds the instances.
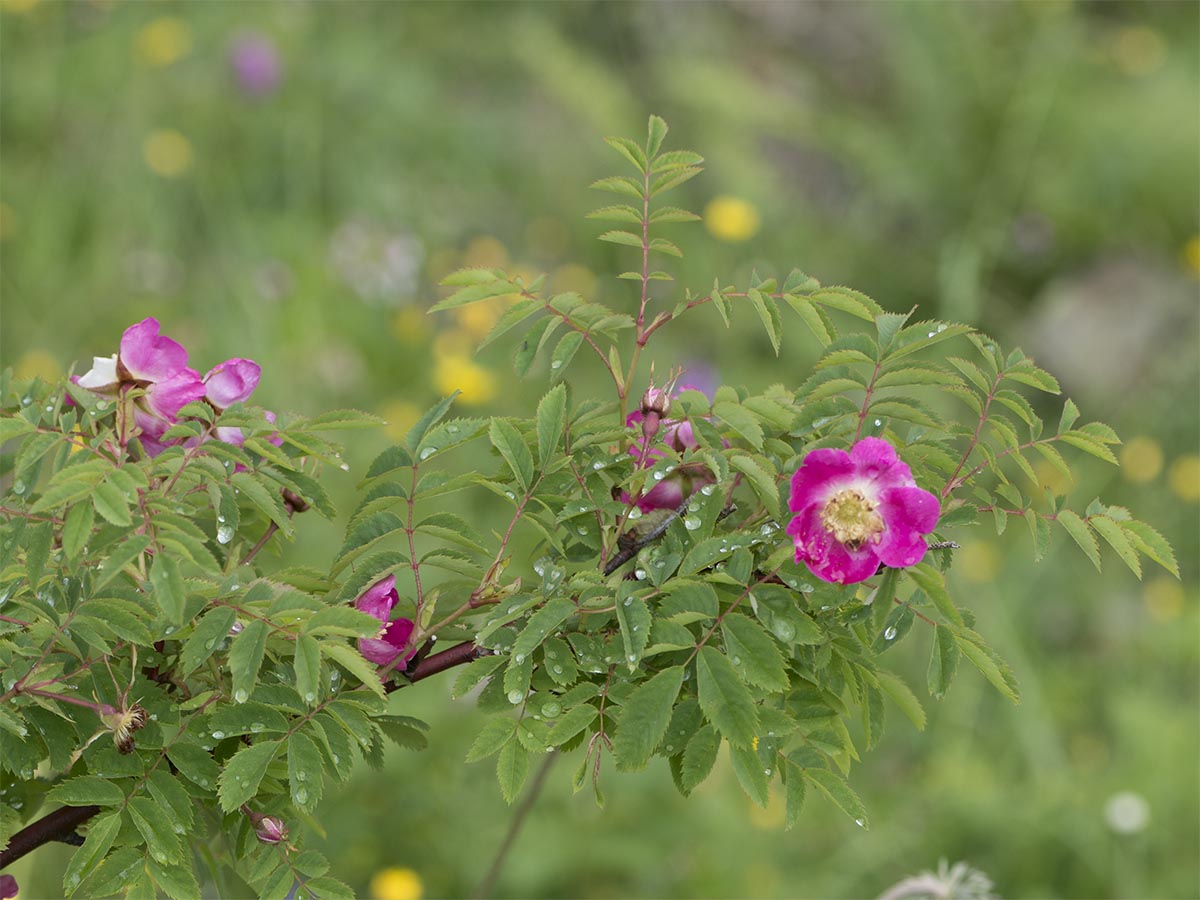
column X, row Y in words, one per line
column 378, row 600
column 233, row 381
column 859, row 509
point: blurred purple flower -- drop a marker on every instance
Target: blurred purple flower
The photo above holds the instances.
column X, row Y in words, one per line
column 255, row 62
column 699, row 377
column 8, row 887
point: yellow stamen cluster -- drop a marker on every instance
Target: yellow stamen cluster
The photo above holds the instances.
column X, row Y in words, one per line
column 851, row 518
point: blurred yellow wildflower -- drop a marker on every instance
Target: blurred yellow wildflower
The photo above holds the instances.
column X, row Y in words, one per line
column 978, row 561
column 1138, row 50
column 574, row 277
column 478, row 318
column 486, row 252
column 401, row 415
column 1163, row 598
column 395, row 883
column 731, row 219
column 1141, row 460
column 1049, row 476
column 168, row 153
column 1191, row 255
column 454, row 342
column 19, row 7
column 460, row 373
column 8, row 222
column 771, row 817
column 164, row 41
column 410, row 325
column 1184, row 477
column 38, row 364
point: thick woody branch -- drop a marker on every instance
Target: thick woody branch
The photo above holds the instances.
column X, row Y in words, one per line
column 56, row 826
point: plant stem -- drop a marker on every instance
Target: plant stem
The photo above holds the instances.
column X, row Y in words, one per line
column 484, row 889
column 52, row 827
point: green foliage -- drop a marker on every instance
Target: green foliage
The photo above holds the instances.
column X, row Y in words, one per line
column 638, row 634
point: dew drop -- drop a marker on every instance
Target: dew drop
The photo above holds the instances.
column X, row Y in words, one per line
column 860, row 823
column 510, row 495
column 515, row 697
column 597, row 465
column 558, row 670
column 301, row 796
column 632, row 658
column 218, row 735
column 691, row 523
column 767, row 772
column 240, row 695
column 257, row 727
column 428, row 452
column 519, row 658
column 309, row 697
column 878, row 423
column 551, row 710
column 890, row 634
column 556, row 364
column 224, row 534
column 640, row 574
column 221, row 519
column 18, row 487
column 634, row 513
column 658, row 476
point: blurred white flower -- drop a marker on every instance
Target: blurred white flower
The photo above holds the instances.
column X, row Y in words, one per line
column 1127, row 812
column 380, row 266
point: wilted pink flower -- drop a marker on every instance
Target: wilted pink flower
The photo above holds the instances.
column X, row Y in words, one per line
column 856, row 510
column 255, row 63
column 685, row 480
column 233, row 381
column 377, row 601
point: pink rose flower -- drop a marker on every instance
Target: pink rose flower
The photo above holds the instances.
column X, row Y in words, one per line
column 377, row 601
column 233, row 381
column 859, row 509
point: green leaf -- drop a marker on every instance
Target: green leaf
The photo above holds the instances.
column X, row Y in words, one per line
column 656, row 130
column 699, row 758
column 14, row 426
column 111, row 503
column 741, row 420
column 341, row 420
column 645, row 717
column 982, row 656
column 1029, row 374
column 496, row 733
column 619, row 213
column 101, row 833
column 541, row 625
column 306, row 773
column 1080, row 533
column 903, row 697
column 931, row 581
column 511, row 317
column 570, row 724
column 750, row 774
column 627, row 238
column 508, row 441
column 812, row 318
column 761, row 476
column 704, row 554
column 1153, row 544
column 208, row 633
column 629, row 150
column 564, row 353
column 1089, row 445
column 512, row 768
column 354, row 663
column 86, row 790
column 1070, row 415
column 417, row 433
column 551, row 416
column 162, row 841
column 245, row 658
column 167, row 585
column 633, row 616
column 244, row 772
column 122, row 556
column 753, row 653
column 266, row 499
column 1116, row 538
column 726, row 701
column 307, row 663
column 343, row 620
column 178, row 879
column 77, row 529
column 618, row 184
column 836, row 789
column 194, row 762
column 943, row 662
column 474, row 293
column 793, row 781
column 768, row 312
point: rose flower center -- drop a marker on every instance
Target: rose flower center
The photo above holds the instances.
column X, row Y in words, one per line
column 851, row 518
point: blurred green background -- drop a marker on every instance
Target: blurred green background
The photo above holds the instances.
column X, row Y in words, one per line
column 289, row 180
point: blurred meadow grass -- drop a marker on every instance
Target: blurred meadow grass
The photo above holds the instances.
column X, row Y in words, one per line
column 288, row 181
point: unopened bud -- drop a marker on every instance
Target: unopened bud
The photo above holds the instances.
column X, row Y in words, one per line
column 269, row 829
column 656, row 400
column 8, row 887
